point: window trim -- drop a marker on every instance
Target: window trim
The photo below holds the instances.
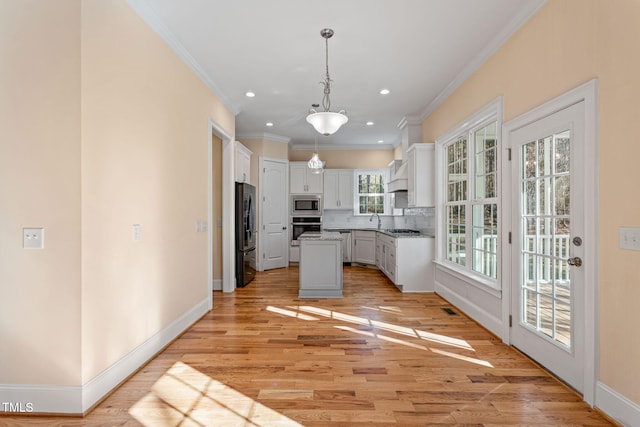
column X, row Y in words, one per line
column 491, row 112
column 356, row 199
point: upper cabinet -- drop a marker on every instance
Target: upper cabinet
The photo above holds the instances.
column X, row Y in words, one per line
column 302, row 180
column 338, row 189
column 421, row 175
column 243, row 163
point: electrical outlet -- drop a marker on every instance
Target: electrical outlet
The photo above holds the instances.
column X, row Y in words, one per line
column 629, row 238
column 33, row 238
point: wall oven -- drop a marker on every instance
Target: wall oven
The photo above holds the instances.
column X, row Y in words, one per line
column 302, row 224
column 306, row 205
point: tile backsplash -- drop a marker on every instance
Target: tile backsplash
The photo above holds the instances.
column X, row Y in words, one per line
column 422, row 219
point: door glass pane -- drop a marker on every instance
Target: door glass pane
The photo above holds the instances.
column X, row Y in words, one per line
column 562, row 195
column 563, row 320
column 545, row 198
column 562, row 152
column 529, row 160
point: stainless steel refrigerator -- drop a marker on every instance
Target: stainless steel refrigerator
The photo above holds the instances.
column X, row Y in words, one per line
column 245, row 234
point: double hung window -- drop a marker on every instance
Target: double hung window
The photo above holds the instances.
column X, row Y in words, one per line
column 370, row 192
column 471, row 199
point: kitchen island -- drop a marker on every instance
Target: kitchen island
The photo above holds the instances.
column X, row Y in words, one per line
column 320, row 265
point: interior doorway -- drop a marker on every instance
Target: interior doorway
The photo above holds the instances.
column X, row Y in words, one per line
column 225, row 198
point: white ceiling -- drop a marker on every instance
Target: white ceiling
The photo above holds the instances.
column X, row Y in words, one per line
column 421, row 50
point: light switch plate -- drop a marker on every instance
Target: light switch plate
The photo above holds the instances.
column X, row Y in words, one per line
column 629, row 238
column 135, row 232
column 33, row 238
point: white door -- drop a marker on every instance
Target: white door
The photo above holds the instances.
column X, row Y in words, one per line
column 275, row 215
column 548, row 292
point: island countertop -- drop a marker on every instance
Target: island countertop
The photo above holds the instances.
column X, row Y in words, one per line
column 323, row 235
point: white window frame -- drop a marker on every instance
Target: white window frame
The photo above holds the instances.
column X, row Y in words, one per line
column 487, row 114
column 356, row 199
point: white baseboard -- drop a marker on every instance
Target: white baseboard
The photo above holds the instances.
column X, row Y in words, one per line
column 15, row 399
column 217, row 285
column 477, row 313
column 79, row 399
column 617, row 406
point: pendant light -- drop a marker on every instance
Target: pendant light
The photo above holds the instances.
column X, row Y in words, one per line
column 327, row 122
column 315, row 164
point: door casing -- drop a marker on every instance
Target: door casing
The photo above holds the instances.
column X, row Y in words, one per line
column 586, row 93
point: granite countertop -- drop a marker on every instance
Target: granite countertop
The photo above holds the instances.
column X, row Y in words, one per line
column 323, row 235
column 384, row 231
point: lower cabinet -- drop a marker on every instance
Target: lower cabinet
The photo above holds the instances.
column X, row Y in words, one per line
column 320, row 269
column 407, row 262
column 364, row 246
column 387, row 257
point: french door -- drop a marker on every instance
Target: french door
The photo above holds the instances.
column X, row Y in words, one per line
column 548, row 293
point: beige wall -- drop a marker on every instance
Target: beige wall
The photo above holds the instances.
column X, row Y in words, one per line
column 102, row 126
column 397, row 152
column 565, row 44
column 40, row 187
column 145, row 137
column 347, row 159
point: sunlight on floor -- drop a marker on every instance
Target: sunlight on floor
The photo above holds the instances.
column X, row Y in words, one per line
column 185, row 396
column 382, row 337
column 295, row 312
column 290, row 313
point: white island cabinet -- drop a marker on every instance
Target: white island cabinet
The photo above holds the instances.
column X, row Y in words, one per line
column 320, row 265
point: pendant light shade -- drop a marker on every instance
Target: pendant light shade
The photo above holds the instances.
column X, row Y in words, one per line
column 327, row 122
column 315, row 164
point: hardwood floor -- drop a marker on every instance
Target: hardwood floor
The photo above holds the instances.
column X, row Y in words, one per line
column 263, row 357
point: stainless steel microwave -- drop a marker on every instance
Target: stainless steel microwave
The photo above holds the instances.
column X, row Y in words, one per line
column 306, row 205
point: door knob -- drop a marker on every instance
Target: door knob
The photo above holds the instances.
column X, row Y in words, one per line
column 284, row 228
column 575, row 261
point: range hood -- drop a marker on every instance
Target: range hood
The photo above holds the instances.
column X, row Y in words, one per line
column 398, row 176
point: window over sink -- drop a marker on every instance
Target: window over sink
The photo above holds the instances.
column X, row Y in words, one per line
column 370, row 192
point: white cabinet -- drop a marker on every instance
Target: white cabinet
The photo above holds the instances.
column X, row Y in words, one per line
column 346, row 247
column 338, row 189
column 243, row 163
column 421, row 175
column 364, row 246
column 320, row 274
column 407, row 262
column 302, row 180
column 387, row 257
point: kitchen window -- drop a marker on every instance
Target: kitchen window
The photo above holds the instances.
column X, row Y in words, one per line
column 370, row 196
column 469, row 169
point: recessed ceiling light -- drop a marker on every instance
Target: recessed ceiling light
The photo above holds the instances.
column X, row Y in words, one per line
column 250, row 94
column 380, row 141
column 384, row 91
column 369, row 123
column 269, row 124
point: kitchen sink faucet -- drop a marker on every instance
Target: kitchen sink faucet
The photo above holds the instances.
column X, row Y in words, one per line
column 379, row 220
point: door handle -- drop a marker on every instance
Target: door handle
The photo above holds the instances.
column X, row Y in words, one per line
column 575, row 261
column 284, row 228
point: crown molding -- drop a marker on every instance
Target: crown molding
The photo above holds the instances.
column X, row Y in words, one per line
column 149, row 15
column 473, row 65
column 322, row 147
column 269, row 136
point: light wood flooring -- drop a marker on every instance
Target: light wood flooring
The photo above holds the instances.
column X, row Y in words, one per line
column 376, row 357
